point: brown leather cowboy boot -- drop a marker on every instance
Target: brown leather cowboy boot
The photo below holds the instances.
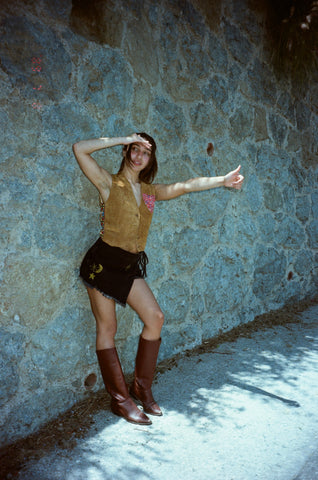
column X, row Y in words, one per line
column 144, row 372
column 121, row 403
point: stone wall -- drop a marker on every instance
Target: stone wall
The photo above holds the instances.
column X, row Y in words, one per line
column 189, row 74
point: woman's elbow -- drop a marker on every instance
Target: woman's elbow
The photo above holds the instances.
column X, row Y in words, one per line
column 187, row 187
column 75, row 147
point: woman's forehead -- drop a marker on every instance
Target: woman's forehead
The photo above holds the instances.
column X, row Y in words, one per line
column 142, row 146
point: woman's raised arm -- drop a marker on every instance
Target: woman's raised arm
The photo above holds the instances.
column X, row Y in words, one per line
column 232, row 180
column 96, row 174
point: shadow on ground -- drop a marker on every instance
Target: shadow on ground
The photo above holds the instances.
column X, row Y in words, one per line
column 183, row 386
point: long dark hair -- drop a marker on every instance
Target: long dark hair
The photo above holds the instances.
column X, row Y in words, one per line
column 147, row 175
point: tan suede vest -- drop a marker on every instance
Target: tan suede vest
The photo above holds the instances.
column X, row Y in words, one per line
column 123, row 223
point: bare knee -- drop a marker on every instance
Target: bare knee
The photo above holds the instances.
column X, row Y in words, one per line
column 104, row 330
column 155, row 319
column 160, row 318
column 105, row 336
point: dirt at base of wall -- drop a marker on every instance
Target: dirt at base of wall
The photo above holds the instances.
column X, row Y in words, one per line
column 64, row 431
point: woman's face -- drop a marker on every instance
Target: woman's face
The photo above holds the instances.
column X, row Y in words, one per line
column 140, row 156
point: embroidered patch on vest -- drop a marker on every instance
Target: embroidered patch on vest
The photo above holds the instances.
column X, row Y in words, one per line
column 149, row 201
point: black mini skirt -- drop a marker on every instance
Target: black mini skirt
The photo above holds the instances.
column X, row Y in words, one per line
column 112, row 270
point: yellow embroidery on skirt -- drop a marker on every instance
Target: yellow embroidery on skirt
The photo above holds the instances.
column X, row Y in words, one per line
column 95, row 269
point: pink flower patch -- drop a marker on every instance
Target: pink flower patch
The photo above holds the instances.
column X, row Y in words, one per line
column 149, row 201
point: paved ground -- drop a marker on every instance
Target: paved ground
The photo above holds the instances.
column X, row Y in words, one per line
column 246, row 410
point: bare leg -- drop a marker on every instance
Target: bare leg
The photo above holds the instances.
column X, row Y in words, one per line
column 105, row 315
column 106, row 326
column 142, row 300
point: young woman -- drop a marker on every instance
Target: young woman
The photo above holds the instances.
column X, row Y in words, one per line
column 114, row 268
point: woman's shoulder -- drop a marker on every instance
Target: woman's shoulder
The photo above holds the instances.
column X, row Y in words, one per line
column 118, row 179
column 148, row 188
